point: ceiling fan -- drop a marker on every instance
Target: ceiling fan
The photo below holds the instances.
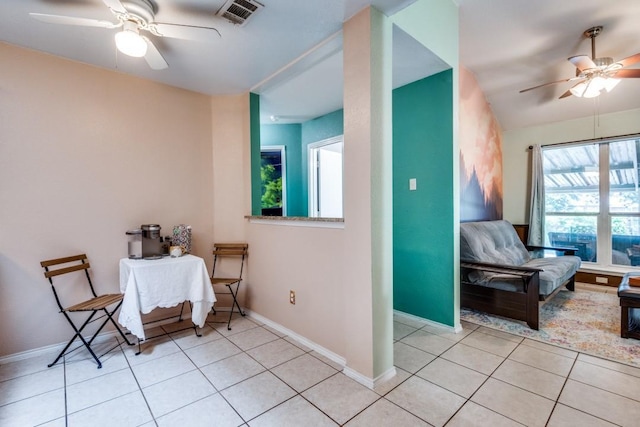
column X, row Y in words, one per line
column 135, row 16
column 593, row 75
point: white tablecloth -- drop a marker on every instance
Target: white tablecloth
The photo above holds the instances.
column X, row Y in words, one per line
column 166, row 282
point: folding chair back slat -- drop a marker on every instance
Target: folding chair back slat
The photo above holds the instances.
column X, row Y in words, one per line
column 235, row 250
column 64, row 260
column 98, row 303
column 53, row 273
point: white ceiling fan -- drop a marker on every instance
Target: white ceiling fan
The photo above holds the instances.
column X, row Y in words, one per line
column 134, row 17
column 593, row 75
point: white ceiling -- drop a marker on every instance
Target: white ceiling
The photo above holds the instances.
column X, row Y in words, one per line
column 508, row 44
column 512, row 45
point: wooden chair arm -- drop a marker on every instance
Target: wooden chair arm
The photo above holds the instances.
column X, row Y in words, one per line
column 500, row 268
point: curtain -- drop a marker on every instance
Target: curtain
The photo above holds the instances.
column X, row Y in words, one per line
column 536, row 214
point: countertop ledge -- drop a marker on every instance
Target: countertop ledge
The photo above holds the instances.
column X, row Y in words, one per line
column 293, row 218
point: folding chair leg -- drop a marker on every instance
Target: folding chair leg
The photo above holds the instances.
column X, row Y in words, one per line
column 110, row 316
column 235, row 304
column 78, row 335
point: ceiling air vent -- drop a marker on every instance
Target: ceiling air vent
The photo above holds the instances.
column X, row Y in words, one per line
column 239, row 11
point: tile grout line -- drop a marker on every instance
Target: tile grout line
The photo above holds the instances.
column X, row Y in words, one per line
column 483, row 383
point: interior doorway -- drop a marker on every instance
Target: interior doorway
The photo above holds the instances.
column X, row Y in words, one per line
column 325, row 178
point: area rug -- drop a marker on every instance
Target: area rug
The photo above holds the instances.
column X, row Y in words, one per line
column 583, row 321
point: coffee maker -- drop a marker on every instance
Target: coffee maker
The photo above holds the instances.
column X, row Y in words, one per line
column 151, row 241
column 145, row 242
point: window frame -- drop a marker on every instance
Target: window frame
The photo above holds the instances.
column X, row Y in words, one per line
column 604, row 216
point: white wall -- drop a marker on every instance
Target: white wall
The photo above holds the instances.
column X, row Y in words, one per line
column 86, row 154
column 516, row 155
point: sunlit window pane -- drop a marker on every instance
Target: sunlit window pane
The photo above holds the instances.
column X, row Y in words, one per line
column 579, row 232
column 625, row 240
column 624, row 195
column 572, row 179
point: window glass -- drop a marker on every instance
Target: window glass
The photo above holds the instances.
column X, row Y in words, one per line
column 271, row 175
column 623, row 177
column 625, row 240
column 572, row 182
column 624, row 197
column 575, row 231
column 576, row 202
column 571, row 179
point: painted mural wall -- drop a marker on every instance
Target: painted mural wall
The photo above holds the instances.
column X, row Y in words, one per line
column 480, row 154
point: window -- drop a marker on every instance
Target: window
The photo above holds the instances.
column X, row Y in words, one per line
column 273, row 178
column 592, row 200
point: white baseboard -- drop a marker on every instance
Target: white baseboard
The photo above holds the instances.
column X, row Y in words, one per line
column 455, row 329
column 351, row 373
column 53, row 349
column 368, row 382
column 302, row 340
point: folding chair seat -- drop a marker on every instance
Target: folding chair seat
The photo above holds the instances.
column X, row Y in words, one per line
column 92, row 306
column 222, row 253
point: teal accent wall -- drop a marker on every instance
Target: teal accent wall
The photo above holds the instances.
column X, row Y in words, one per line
column 318, row 129
column 288, row 135
column 423, row 250
column 254, row 128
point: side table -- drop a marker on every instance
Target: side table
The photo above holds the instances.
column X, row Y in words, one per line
column 629, row 308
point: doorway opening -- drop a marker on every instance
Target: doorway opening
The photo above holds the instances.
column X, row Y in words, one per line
column 325, row 178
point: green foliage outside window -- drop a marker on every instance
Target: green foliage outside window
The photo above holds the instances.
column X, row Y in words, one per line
column 271, row 186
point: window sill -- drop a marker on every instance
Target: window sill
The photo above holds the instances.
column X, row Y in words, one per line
column 297, row 221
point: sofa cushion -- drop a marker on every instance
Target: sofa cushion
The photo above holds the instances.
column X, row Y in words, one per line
column 492, row 241
column 555, row 271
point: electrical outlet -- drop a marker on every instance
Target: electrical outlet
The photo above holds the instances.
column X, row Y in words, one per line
column 292, row 297
column 602, row 280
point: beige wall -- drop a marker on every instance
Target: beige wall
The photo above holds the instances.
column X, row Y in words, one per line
column 309, row 261
column 231, row 182
column 118, row 139
column 86, row 154
column 517, row 163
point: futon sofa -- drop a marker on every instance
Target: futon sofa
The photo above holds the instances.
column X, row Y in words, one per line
column 500, row 275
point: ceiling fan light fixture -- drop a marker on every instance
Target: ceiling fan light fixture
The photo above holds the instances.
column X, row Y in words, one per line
column 588, row 89
column 130, row 42
column 594, row 87
column 610, row 83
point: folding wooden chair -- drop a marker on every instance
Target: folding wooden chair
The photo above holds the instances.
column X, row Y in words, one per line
column 92, row 306
column 229, row 250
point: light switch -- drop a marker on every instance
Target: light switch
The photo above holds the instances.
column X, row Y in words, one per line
column 413, row 184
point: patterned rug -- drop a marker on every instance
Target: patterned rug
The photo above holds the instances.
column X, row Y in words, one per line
column 584, row 321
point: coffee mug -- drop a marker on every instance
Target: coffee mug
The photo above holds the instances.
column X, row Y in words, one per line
column 176, row 251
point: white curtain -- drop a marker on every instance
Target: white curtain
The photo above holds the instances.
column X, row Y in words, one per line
column 536, row 215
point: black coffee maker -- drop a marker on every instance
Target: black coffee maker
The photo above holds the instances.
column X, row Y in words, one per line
column 151, row 241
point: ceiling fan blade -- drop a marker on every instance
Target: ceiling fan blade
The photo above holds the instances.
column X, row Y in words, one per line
column 547, row 84
column 187, row 32
column 566, row 94
column 154, row 57
column 582, row 62
column 630, row 60
column 626, row 74
column 115, row 5
column 71, row 20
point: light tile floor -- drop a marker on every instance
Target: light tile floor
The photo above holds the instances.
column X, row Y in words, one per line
column 254, row 376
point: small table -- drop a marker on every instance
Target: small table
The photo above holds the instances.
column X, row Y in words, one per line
column 166, row 282
column 629, row 308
